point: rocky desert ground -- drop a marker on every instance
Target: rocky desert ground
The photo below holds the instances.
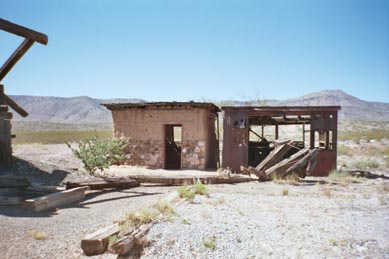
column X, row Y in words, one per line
column 328, row 217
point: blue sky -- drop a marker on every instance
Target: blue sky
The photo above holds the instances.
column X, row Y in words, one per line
column 195, row 49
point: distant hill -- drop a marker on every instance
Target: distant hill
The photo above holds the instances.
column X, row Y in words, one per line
column 74, row 110
column 83, row 110
column 352, row 107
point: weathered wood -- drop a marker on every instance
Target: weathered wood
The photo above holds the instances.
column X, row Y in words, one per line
column 55, row 200
column 9, row 181
column 5, row 115
column 104, row 184
column 5, row 143
column 282, row 166
column 180, row 180
column 97, row 242
column 275, row 156
column 15, row 57
column 3, row 108
column 301, row 165
column 123, row 245
column 23, row 32
column 6, row 200
column 15, row 106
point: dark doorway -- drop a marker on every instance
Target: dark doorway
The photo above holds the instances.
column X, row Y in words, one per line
column 173, row 135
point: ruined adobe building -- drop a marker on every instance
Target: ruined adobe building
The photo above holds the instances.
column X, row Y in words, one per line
column 169, row 135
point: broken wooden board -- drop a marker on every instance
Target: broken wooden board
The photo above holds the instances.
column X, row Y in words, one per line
column 301, row 165
column 282, row 166
column 105, row 184
column 9, row 181
column 97, row 242
column 275, row 156
column 57, row 199
column 123, row 245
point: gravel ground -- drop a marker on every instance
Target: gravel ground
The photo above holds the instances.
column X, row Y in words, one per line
column 251, row 220
column 255, row 220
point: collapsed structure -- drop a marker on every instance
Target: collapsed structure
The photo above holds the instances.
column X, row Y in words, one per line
column 245, row 144
column 30, row 37
column 169, row 135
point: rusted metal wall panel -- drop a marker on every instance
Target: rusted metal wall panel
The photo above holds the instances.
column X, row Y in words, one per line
column 235, row 139
column 326, row 162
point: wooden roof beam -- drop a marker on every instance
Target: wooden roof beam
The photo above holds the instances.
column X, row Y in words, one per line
column 14, row 58
column 23, row 32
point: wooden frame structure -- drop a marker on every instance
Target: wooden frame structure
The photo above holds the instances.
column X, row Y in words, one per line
column 239, row 151
column 30, row 37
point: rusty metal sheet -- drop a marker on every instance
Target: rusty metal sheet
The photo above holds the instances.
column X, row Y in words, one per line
column 326, row 162
column 235, row 140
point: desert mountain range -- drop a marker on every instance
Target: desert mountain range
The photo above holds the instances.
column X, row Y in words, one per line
column 84, row 109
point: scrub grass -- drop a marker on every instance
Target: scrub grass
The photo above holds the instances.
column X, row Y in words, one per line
column 57, row 137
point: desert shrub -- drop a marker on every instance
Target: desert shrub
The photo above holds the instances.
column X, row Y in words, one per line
column 200, row 189
column 363, row 164
column 344, row 150
column 210, row 243
column 99, row 153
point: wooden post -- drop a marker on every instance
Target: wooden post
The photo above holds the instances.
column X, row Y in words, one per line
column 5, row 134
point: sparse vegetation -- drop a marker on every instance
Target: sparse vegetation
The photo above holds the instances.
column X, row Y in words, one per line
column 145, row 215
column 365, row 164
column 189, row 192
column 343, row 177
column 186, row 222
column 210, row 243
column 327, row 192
column 112, row 239
column 344, row 150
column 98, row 153
column 56, row 136
column 285, row 192
column 38, row 235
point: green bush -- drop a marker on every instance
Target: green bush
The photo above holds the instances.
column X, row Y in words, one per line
column 99, row 153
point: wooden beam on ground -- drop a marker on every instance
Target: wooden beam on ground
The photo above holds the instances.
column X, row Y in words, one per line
column 9, row 181
column 180, row 180
column 105, row 184
column 14, row 58
column 7, row 201
column 57, row 199
column 23, row 32
column 97, row 242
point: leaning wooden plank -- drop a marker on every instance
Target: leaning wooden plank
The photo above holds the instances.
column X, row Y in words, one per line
column 286, row 163
column 56, row 199
column 274, row 157
column 301, row 165
column 23, row 31
column 12, row 103
column 4, row 200
column 97, row 242
column 103, row 184
column 9, row 181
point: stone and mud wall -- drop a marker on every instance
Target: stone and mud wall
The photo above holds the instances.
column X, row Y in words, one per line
column 145, row 128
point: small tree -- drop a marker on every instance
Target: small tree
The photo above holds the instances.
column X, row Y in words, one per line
column 98, row 153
